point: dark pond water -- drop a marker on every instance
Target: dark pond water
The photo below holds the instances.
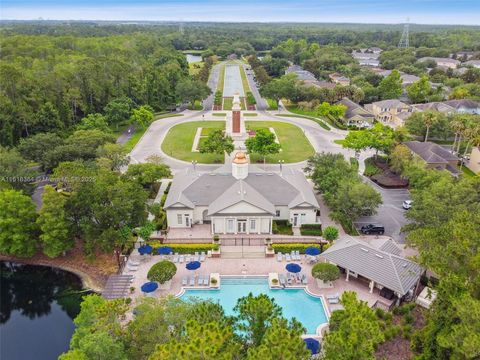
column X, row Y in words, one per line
column 37, row 308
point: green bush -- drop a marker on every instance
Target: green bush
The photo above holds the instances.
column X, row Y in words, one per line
column 218, row 98
column 325, row 272
column 162, row 271
column 250, row 98
column 330, row 233
column 370, row 167
column 311, row 230
column 288, row 247
column 184, row 248
column 168, row 188
column 272, row 104
column 282, row 227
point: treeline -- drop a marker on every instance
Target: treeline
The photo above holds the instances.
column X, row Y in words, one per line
column 49, row 83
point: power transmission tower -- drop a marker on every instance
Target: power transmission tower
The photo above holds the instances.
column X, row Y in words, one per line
column 404, row 41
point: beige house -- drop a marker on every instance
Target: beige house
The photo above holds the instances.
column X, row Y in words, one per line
column 392, row 112
column 356, row 115
column 474, row 163
column 240, row 198
column 339, row 79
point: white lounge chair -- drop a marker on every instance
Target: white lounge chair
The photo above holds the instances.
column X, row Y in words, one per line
column 175, row 258
column 192, row 281
column 279, row 256
column 304, row 279
column 202, row 256
column 205, row 280
column 184, row 281
column 181, row 259
column 281, row 279
column 288, row 257
column 132, row 268
column 188, row 258
column 196, row 257
column 133, row 262
column 289, row 279
column 297, row 254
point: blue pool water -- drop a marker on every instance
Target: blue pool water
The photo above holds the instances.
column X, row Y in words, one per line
column 295, row 303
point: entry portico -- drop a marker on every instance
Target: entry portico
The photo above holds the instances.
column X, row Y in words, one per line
column 240, row 198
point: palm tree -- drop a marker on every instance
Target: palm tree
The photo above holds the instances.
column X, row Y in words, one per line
column 430, row 118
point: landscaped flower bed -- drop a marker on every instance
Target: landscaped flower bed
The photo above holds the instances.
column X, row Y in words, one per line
column 288, row 247
column 311, row 230
column 184, row 248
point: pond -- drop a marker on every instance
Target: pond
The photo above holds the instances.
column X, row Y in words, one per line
column 37, row 308
column 191, row 58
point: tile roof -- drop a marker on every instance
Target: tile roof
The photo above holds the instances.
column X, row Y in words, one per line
column 431, row 152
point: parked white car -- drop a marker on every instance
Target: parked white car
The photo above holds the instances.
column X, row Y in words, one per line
column 407, row 204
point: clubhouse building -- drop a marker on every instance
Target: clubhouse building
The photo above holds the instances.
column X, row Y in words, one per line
column 240, row 198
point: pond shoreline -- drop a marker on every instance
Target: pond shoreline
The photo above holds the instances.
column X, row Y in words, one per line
column 90, row 281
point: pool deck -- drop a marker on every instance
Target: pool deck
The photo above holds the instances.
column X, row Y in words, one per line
column 249, row 267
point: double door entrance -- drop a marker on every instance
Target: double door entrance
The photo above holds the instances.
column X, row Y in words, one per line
column 241, row 226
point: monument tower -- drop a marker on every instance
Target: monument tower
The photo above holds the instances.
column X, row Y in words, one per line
column 236, row 115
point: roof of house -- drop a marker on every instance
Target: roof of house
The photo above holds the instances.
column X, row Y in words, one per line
column 408, row 79
column 390, row 103
column 430, row 152
column 463, row 103
column 440, row 59
column 320, row 84
column 354, row 109
column 383, row 267
column 302, row 74
column 437, row 106
column 473, row 62
column 260, row 188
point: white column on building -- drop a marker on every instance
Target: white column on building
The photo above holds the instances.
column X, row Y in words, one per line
column 224, row 225
column 348, row 275
column 372, row 284
column 248, row 225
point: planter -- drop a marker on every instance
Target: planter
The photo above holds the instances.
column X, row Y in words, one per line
column 216, row 253
column 214, row 276
column 269, row 252
column 324, row 284
column 273, row 281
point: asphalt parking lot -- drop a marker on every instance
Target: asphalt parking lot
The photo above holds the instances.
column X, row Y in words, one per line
column 390, row 214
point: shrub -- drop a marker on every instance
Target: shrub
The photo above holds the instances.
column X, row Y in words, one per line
column 162, row 271
column 275, row 281
column 311, row 230
column 282, row 227
column 168, row 188
column 370, row 167
column 330, row 233
column 325, row 272
column 216, row 238
column 250, row 98
column 408, row 318
column 184, row 248
column 288, row 247
column 213, row 281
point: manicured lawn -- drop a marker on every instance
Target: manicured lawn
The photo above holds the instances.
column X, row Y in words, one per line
column 207, row 130
column 179, row 140
column 130, row 144
column 219, row 114
column 227, row 103
column 250, row 114
column 339, row 142
column 246, row 87
column 295, row 146
column 221, row 79
column 272, row 104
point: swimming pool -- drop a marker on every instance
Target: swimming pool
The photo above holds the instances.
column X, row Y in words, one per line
column 295, row 303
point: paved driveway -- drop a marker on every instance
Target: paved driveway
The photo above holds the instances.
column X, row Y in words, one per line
column 212, row 84
column 261, row 103
column 391, row 214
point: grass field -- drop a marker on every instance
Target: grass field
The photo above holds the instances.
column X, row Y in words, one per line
column 179, row 140
column 227, row 103
column 130, row 144
column 246, row 87
column 272, row 104
column 317, row 120
column 295, row 146
column 219, row 114
column 221, row 79
column 250, row 114
column 467, row 172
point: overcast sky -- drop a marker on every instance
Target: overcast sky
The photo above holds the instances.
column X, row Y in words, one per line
column 362, row 11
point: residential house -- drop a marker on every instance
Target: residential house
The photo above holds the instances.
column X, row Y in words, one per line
column 239, row 198
column 382, row 267
column 367, row 57
column 474, row 63
column 368, row 62
column 408, row 79
column 474, row 162
column 464, row 106
column 301, row 73
column 435, row 106
column 434, row 155
column 356, row 115
column 442, row 62
column 339, row 79
column 390, row 112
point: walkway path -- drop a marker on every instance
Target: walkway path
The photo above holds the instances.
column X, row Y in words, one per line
column 261, row 103
column 212, row 84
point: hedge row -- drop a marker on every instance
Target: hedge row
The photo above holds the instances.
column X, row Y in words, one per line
column 184, row 248
column 218, row 98
column 251, row 99
column 289, row 247
column 311, row 229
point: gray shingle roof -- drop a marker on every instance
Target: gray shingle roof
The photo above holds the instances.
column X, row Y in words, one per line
column 354, row 109
column 431, row 152
column 392, row 271
column 190, row 189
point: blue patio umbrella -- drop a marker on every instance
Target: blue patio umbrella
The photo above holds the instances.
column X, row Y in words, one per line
column 145, row 249
column 193, row 265
column 149, row 287
column 312, row 251
column 164, row 250
column 293, row 268
column 312, row 345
